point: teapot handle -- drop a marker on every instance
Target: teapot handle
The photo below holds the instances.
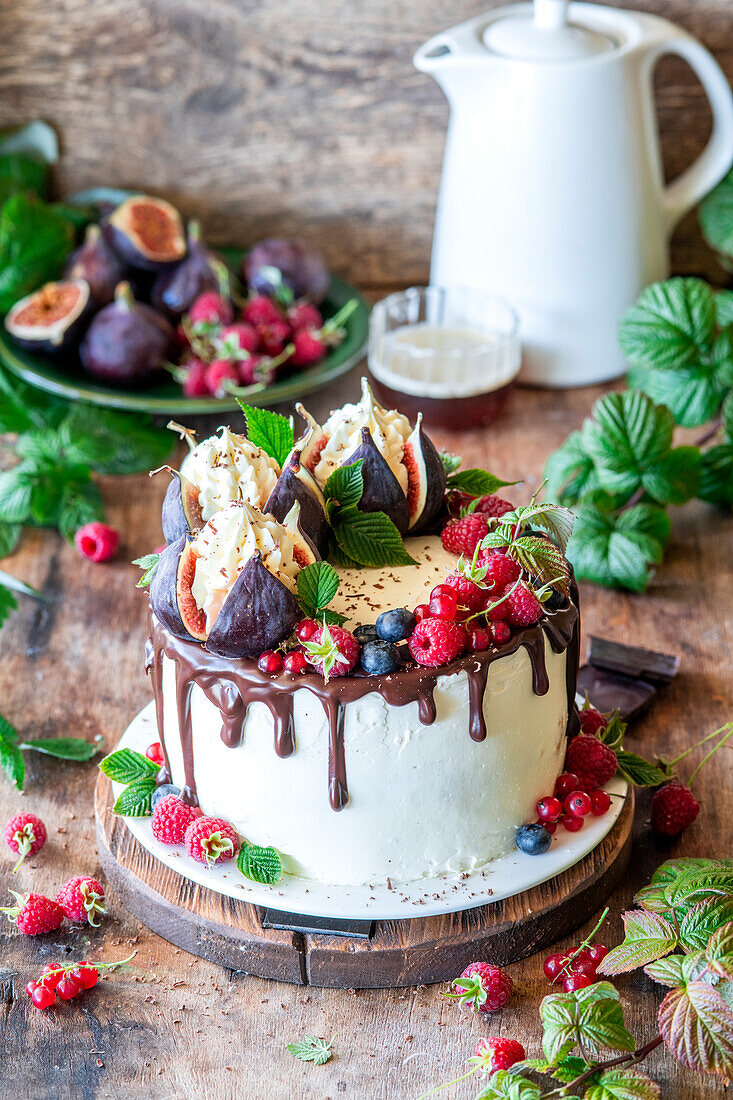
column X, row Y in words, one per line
column 715, row 160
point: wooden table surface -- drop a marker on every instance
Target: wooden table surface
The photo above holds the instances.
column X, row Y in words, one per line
column 174, row 1026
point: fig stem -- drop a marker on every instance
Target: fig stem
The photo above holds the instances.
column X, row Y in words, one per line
column 185, row 433
column 124, row 296
column 337, row 321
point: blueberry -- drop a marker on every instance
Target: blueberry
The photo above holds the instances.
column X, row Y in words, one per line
column 396, row 625
column 161, row 791
column 554, row 601
column 379, row 657
column 366, row 633
column 533, row 839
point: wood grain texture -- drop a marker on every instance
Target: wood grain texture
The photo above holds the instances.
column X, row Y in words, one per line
column 177, row 1026
column 292, row 117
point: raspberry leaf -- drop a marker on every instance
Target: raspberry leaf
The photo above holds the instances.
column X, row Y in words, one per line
column 476, row 483
column 719, row 952
column 127, row 766
column 450, row 462
column 716, row 474
column 623, row 1084
column 566, row 1070
column 269, row 430
column 617, row 549
column 312, row 1049
column 670, row 324
column 570, row 472
column 369, row 538
column 590, row 1018
column 716, row 217
column 666, row 971
column 648, row 936
column 701, row 921
column 135, row 799
column 639, row 771
column 344, row 486
column 317, row 585
column 507, row 1085
column 260, row 864
column 697, row 1026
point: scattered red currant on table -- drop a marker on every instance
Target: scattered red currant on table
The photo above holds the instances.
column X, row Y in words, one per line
column 25, row 834
column 67, row 980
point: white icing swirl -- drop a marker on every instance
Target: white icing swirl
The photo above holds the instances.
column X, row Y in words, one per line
column 228, row 467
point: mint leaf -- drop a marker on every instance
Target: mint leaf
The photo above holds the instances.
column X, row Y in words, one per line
column 8, row 603
column 260, row 864
column 716, row 475
column 311, row 1049
column 19, row 172
column 716, row 216
column 623, row 1084
column 639, row 771
column 11, row 761
column 666, row 971
column 669, row 324
column 34, row 242
column 369, row 538
column 591, row 1017
column 617, row 549
column 15, row 494
column 8, row 732
column 126, row 766
column 65, row 748
column 345, row 485
column 697, row 1026
column 135, row 799
column 719, row 952
column 476, row 483
column 317, row 585
column 648, row 937
column 570, row 472
column 113, row 442
column 81, row 502
column 269, row 430
column 9, row 535
column 148, row 563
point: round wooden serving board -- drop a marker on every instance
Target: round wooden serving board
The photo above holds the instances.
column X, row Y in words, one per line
column 400, row 952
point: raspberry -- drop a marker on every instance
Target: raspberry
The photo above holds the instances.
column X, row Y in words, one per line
column 96, row 541
column 25, row 834
column 485, row 987
column 496, row 1052
column 194, row 382
column 250, row 369
column 468, row 594
column 34, row 914
column 501, row 570
column 171, row 818
column 591, row 720
column 208, row 310
column 308, row 347
column 674, row 807
column 332, row 651
column 493, row 505
column 435, row 641
column 500, row 633
column 593, row 762
column 261, row 310
column 233, row 340
column 462, row 536
column 82, row 899
column 520, row 607
column 219, row 372
column 304, row 315
column 211, row 840
column 273, row 336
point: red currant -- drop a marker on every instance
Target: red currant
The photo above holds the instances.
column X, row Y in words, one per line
column 599, row 803
column 85, row 975
column 269, row 661
column 51, row 975
column 444, row 606
column 553, row 964
column 572, row 824
column 442, row 590
column 154, row 752
column 583, row 966
column 549, row 809
column 421, row 612
column 597, row 952
column 500, row 633
column 571, row 982
column 566, row 784
column 551, row 826
column 42, row 997
column 67, row 988
column 31, row 986
column 479, row 639
column 306, row 629
column 295, row 662
column 577, row 804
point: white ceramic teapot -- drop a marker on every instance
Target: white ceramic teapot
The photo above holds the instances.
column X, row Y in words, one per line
column 552, row 192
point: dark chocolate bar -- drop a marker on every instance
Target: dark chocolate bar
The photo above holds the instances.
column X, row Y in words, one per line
column 633, row 661
column 324, row 926
column 624, row 677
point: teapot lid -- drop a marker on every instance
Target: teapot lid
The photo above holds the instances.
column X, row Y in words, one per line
column 545, row 35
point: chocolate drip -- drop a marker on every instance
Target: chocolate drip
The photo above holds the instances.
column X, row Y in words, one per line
column 535, row 646
column 154, row 669
column 338, row 791
column 477, row 676
column 183, row 701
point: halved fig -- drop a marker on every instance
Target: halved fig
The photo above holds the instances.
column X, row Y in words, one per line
column 258, row 613
column 296, row 483
column 146, row 233
column 181, row 509
column 176, row 289
column 382, row 490
column 96, row 262
column 310, row 445
column 305, row 550
column 426, row 478
column 171, row 597
column 53, row 318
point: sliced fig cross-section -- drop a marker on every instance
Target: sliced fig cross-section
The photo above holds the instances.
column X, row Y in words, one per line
column 181, row 509
column 147, row 233
column 426, row 478
column 258, row 614
column 171, row 598
column 53, row 318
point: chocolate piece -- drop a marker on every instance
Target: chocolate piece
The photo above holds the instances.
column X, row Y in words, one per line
column 324, row 926
column 608, row 692
column 633, row 661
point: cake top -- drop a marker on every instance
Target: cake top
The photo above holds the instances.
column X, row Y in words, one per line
column 275, row 546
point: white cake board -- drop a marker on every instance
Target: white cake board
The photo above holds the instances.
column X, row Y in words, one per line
column 501, row 878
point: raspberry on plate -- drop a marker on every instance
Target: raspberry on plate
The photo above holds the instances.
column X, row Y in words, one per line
column 34, row 914
column 211, row 840
column 485, row 987
column 593, row 762
column 82, row 899
column 209, row 310
column 308, row 347
column 171, row 818
column 436, row 641
column 674, row 807
column 25, row 834
column 462, row 536
column 496, row 1052
column 332, row 651
column 261, row 310
column 591, row 720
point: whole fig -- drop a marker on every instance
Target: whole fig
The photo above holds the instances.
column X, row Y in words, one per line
column 127, row 343
column 175, row 291
column 98, row 264
column 284, row 264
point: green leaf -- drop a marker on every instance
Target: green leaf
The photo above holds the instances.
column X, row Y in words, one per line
column 15, row 494
column 35, row 139
column 125, row 766
column 701, row 921
column 716, row 474
column 19, row 172
column 698, row 883
column 270, row 431
column 639, row 771
column 697, row 1026
column 34, row 242
column 8, row 603
column 719, row 951
column 727, row 417
column 8, row 732
column 311, row 1049
column 81, row 502
column 592, row 1017
column 716, row 216
column 11, row 761
column 618, row 549
column 260, row 864
column 476, row 483
column 113, row 442
column 65, row 748
column 506, row 1085
column 369, row 538
column 623, row 1084
column 317, row 585
column 450, row 462
column 135, row 799
column 570, row 472
column 724, row 308
column 345, row 485
column 148, row 563
column 692, row 394
column 566, row 1070
column 676, row 478
column 666, row 971
column 669, row 324
column 648, row 936
column 555, row 519
column 542, row 560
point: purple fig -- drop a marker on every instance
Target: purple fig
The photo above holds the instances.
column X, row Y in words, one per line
column 426, row 478
column 98, row 263
column 181, row 509
column 146, row 233
column 171, row 598
column 258, row 613
column 53, row 318
column 382, row 490
column 175, row 290
column 298, row 484
column 286, row 269
column 127, row 343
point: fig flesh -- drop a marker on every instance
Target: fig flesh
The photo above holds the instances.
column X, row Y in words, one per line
column 426, row 478
column 171, row 598
column 258, row 614
column 97, row 263
column 147, row 233
column 175, row 290
column 310, row 445
column 297, row 484
column 181, row 509
column 127, row 343
column 305, row 551
column 382, row 491
column 284, row 264
column 53, row 318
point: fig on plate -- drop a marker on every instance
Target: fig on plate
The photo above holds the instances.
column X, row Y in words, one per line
column 287, row 269
column 146, row 233
column 51, row 319
column 171, row 596
column 382, row 491
column 127, row 343
column 96, row 262
column 426, row 478
column 175, row 290
column 181, row 509
column 258, row 614
column 297, row 484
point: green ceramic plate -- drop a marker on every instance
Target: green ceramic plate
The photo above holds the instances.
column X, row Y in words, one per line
column 68, row 380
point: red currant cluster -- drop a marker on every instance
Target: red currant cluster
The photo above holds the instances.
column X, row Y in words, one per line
column 569, row 805
column 576, row 970
column 64, row 981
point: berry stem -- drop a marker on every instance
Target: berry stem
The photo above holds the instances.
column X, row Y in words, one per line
column 726, row 729
column 336, row 322
column 447, row 1084
column 625, row 1060
column 586, row 943
column 724, row 738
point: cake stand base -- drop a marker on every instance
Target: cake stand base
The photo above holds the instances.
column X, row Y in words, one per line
column 412, row 951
